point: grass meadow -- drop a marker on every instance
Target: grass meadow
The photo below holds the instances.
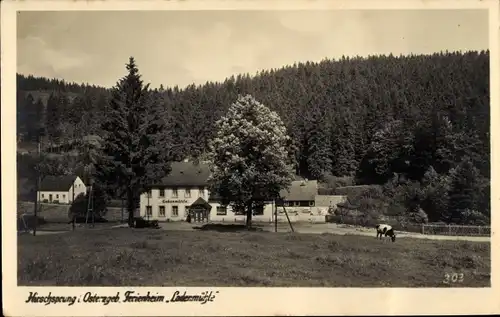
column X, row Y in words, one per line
column 145, row 257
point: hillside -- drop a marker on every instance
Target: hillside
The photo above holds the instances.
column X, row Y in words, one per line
column 422, row 118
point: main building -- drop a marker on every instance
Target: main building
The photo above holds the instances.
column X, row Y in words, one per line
column 185, row 190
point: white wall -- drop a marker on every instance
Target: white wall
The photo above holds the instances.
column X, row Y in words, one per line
column 168, row 201
column 268, row 215
column 314, row 214
column 77, row 188
column 62, row 197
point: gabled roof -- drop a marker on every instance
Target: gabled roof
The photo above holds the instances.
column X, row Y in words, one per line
column 200, row 202
column 189, row 174
column 57, row 183
column 300, row 191
column 186, row 174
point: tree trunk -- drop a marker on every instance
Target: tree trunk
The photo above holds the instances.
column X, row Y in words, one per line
column 249, row 216
column 130, row 207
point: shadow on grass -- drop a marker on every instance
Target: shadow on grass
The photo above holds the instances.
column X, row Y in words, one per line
column 226, row 228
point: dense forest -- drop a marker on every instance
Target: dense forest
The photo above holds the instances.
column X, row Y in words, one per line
column 418, row 125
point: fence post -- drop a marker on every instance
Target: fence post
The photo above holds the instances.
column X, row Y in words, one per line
column 422, row 228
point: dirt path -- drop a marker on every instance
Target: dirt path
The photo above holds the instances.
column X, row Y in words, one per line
column 300, row 228
column 342, row 230
column 330, row 228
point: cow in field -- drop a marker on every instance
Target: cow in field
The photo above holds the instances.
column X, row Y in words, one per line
column 383, row 229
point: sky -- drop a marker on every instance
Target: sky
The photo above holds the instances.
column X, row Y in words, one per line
column 185, row 47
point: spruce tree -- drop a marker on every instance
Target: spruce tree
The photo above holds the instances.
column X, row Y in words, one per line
column 52, row 118
column 135, row 148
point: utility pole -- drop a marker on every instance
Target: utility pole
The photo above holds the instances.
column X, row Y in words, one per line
column 90, row 204
column 35, row 223
column 275, row 216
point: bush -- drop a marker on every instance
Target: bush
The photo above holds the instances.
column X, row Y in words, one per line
column 356, row 190
column 45, row 201
column 435, row 199
column 419, row 216
column 332, row 182
column 474, row 217
column 140, row 222
column 326, row 191
column 55, row 201
column 80, row 204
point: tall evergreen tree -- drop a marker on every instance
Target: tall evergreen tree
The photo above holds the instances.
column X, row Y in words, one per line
column 30, row 123
column 319, row 159
column 135, row 151
column 52, row 118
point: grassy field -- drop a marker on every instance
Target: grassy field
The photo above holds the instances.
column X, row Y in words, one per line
column 142, row 257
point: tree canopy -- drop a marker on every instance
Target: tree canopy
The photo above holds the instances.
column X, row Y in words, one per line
column 363, row 118
column 250, row 155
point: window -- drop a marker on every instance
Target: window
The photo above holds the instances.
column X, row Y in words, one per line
column 64, row 196
column 42, row 195
column 57, row 195
column 162, row 211
column 175, row 211
column 174, row 193
column 201, row 191
column 240, row 211
column 258, row 210
column 149, row 193
column 162, row 193
column 221, row 210
column 149, row 211
column 187, row 194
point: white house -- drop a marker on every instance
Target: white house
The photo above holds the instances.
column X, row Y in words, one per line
column 185, row 190
column 60, row 189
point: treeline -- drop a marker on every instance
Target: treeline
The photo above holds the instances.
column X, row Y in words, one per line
column 422, row 118
column 32, row 83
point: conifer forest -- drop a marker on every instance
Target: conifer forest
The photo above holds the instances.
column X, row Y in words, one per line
column 415, row 128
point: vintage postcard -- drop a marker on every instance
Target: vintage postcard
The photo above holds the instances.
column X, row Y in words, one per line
column 249, row 158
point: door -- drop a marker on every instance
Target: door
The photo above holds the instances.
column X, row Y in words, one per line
column 50, row 198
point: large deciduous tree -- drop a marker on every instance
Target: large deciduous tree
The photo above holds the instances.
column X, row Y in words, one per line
column 135, row 146
column 250, row 156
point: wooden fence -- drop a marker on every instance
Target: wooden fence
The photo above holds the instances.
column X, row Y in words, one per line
column 429, row 229
column 456, row 230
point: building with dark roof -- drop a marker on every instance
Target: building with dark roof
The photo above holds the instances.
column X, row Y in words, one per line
column 300, row 193
column 60, row 189
column 185, row 192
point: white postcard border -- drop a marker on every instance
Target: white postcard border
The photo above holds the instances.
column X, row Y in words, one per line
column 238, row 300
